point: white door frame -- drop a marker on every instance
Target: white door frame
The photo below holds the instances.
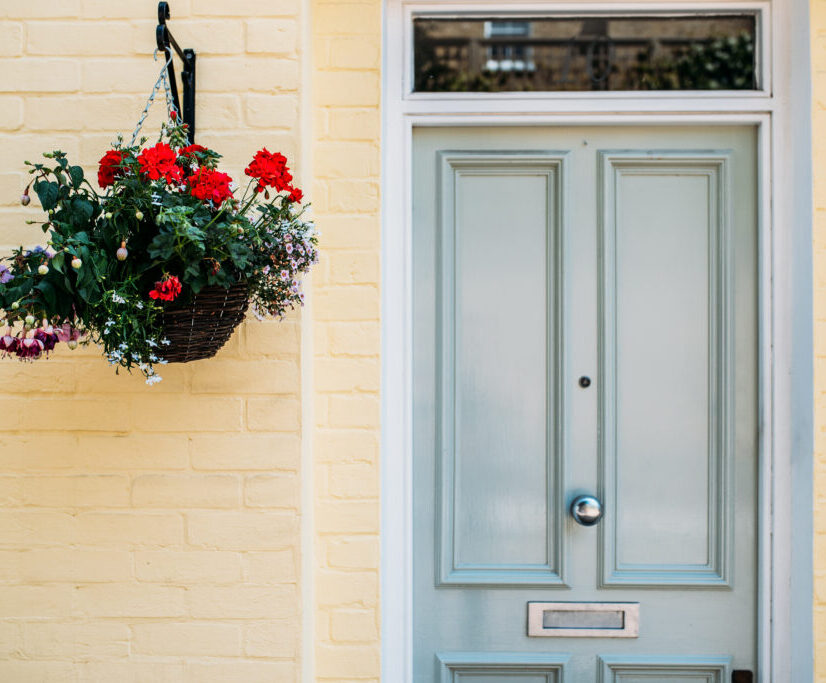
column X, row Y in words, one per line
column 781, row 111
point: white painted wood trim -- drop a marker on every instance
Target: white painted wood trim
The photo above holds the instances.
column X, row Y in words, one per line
column 782, row 116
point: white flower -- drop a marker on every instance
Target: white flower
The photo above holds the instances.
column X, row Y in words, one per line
column 117, row 298
column 153, row 379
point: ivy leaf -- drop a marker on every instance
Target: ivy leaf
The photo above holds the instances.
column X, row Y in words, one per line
column 47, row 192
column 76, row 172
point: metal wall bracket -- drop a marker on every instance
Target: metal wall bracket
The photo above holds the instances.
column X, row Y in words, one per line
column 166, row 42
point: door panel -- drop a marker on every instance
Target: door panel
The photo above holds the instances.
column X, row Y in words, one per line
column 499, row 524
column 665, row 302
column 543, row 255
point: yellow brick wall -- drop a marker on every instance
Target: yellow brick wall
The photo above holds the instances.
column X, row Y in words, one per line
column 154, row 533
column 346, row 95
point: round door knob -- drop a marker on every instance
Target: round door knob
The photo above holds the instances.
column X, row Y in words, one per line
column 586, row 510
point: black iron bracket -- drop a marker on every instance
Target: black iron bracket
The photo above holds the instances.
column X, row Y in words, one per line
column 166, row 43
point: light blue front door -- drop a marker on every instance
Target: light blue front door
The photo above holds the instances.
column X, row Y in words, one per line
column 584, row 323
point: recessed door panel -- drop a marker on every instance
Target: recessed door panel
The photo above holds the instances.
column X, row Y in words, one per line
column 499, row 507
column 666, row 371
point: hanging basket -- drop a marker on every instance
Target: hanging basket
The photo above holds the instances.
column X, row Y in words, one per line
column 200, row 329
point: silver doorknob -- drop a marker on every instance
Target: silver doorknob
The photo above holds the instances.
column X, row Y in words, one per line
column 586, row 510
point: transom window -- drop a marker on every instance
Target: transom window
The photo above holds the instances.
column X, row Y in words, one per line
column 711, row 51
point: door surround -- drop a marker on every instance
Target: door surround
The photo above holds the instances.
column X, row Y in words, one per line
column 781, row 113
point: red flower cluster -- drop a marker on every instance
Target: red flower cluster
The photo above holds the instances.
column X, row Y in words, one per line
column 167, row 289
column 209, row 185
column 271, row 171
column 159, row 162
column 189, row 150
column 110, row 167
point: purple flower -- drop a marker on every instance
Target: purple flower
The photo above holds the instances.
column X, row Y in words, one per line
column 37, row 250
column 5, row 275
column 8, row 342
column 47, row 337
column 29, row 347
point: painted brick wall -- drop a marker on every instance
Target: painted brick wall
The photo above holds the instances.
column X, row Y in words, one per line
column 346, row 96
column 153, row 534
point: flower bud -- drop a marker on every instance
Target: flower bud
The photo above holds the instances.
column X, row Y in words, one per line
column 108, row 214
column 72, row 344
column 240, row 230
column 122, row 253
column 15, row 305
column 29, row 320
column 139, row 215
column 76, row 263
column 43, row 269
column 25, row 199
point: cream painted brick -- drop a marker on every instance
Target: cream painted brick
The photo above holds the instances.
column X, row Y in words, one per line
column 246, row 452
column 11, row 39
column 84, row 490
column 271, row 111
column 351, row 302
column 171, row 414
column 129, row 529
column 272, row 414
column 39, row 75
column 31, row 529
column 354, row 626
column 354, row 338
column 11, row 188
column 251, row 377
column 11, row 491
column 242, row 602
column 347, row 160
column 109, row 113
column 129, row 600
column 271, row 491
column 349, row 232
column 186, row 491
column 218, row 111
column 273, row 36
column 132, row 671
column 208, row 36
column 354, row 411
column 278, row 339
column 134, row 451
column 270, row 567
column 351, row 445
column 75, row 640
column 347, row 267
column 85, row 414
column 347, row 18
column 35, row 601
column 272, row 638
column 10, row 639
column 355, row 124
column 347, row 88
column 106, row 9
column 242, row 531
column 118, row 75
column 342, row 661
column 186, row 639
column 11, row 112
column 353, row 480
column 191, row 566
column 77, row 38
column 40, row 9
column 354, row 196
column 247, row 8
column 347, row 374
column 58, row 112
column 240, row 672
column 355, row 53
column 71, row 565
column 353, row 553
column 37, row 672
column 249, row 74
column 347, row 517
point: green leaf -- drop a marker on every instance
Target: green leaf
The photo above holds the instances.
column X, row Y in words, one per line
column 49, row 295
column 81, row 209
column 47, row 192
column 58, row 262
column 76, row 172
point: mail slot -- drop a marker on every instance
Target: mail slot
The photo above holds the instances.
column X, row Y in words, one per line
column 584, row 619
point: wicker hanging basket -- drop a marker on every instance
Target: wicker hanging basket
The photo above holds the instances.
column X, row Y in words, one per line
column 200, row 329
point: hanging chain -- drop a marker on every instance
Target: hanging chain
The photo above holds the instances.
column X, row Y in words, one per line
column 163, row 79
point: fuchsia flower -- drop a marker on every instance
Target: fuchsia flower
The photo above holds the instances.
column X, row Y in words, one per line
column 29, row 347
column 47, row 337
column 8, row 342
column 67, row 333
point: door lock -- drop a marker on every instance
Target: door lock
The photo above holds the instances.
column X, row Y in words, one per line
column 586, row 510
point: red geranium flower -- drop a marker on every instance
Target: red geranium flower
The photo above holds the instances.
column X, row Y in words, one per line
column 159, row 162
column 189, row 150
column 110, row 167
column 296, row 195
column 271, row 171
column 208, row 185
column 166, row 289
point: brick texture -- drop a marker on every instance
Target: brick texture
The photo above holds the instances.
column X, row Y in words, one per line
column 154, row 533
column 346, row 153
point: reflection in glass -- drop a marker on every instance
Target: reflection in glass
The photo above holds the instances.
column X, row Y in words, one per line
column 706, row 52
